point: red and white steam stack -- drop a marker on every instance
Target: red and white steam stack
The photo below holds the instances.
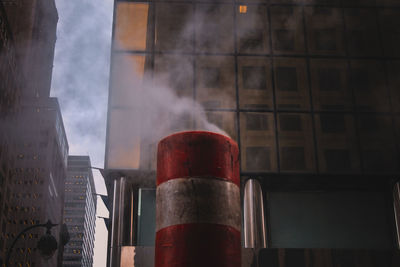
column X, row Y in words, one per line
column 198, row 216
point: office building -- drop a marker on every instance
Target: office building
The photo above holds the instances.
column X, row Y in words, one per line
column 308, row 89
column 79, row 212
column 37, row 181
column 33, row 142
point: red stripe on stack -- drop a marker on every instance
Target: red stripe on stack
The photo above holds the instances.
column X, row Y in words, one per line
column 195, row 245
column 201, row 155
column 198, row 154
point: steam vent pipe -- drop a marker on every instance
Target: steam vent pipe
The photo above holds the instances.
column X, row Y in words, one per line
column 198, row 218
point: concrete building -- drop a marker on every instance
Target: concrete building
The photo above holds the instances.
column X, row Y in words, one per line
column 308, row 89
column 34, row 148
column 79, row 212
column 37, row 181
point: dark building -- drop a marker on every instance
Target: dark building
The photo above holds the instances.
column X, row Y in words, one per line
column 308, row 89
column 79, row 212
column 28, row 37
column 36, row 186
column 34, row 148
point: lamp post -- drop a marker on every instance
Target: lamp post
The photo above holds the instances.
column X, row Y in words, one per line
column 47, row 244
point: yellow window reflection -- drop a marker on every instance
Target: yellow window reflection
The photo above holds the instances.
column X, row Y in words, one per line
column 243, row 9
column 131, row 25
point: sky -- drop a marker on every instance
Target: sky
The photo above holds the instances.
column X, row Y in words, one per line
column 80, row 82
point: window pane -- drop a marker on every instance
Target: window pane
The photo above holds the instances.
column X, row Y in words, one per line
column 337, row 143
column 362, row 32
column 389, row 21
column 377, row 143
column 393, row 73
column 146, row 217
column 368, row 83
column 296, row 142
column 255, row 87
column 127, row 75
column 258, row 145
column 329, row 220
column 291, row 84
column 324, row 30
column 252, row 29
column 123, row 140
column 176, row 72
column 174, row 26
column 215, row 82
column 330, row 88
column 132, row 26
column 214, row 28
column 225, row 121
column 287, row 30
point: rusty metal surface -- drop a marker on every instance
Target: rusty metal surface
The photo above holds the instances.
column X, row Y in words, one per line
column 198, row 200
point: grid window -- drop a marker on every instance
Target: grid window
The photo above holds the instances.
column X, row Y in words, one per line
column 337, row 160
column 286, row 78
column 325, row 39
column 295, row 142
column 389, row 22
column 290, row 123
column 174, row 26
column 361, row 3
column 223, row 120
column 329, row 79
column 362, row 32
column 293, row 158
column 324, row 30
column 377, row 143
column 252, row 29
column 132, row 31
column 255, row 83
column 215, row 81
column 369, row 85
column 256, row 122
column 330, row 86
column 258, row 158
column 393, row 68
column 211, row 77
column 257, row 133
column 291, row 84
column 176, row 72
column 214, row 28
column 254, row 78
column 332, row 123
column 284, row 40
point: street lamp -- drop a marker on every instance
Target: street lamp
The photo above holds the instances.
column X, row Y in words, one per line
column 47, row 244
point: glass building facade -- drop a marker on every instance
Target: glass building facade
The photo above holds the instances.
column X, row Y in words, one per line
column 40, row 149
column 79, row 212
column 308, row 89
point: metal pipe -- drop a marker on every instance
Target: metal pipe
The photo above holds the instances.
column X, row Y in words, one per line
column 254, row 220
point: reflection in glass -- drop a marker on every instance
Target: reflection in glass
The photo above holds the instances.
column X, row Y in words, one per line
column 215, row 82
column 131, row 25
column 174, row 26
column 214, row 28
column 255, row 87
column 258, row 145
column 252, row 29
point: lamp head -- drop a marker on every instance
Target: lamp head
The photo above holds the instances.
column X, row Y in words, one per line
column 47, row 245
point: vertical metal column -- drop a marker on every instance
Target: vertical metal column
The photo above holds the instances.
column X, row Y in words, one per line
column 254, row 221
column 117, row 221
